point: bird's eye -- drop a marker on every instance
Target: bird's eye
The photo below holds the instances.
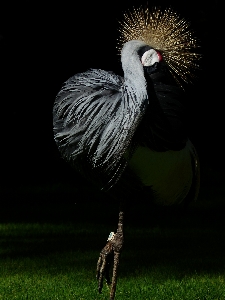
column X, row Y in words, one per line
column 150, row 57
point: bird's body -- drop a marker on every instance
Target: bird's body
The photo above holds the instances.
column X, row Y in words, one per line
column 104, row 123
column 132, row 129
column 169, row 173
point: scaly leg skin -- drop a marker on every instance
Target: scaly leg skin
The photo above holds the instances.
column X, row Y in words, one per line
column 111, row 252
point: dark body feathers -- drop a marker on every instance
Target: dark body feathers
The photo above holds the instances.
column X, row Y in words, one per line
column 105, row 125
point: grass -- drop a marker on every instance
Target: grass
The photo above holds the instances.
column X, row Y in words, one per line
column 49, row 249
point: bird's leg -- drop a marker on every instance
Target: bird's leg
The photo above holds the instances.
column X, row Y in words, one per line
column 104, row 264
column 117, row 248
column 111, row 252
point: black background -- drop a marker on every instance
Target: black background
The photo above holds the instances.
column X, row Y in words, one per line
column 42, row 45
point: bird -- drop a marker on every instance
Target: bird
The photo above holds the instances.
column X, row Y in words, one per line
column 129, row 134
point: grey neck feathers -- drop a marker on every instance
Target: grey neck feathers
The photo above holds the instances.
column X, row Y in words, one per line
column 134, row 79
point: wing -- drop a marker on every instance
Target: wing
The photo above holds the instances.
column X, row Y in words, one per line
column 94, row 120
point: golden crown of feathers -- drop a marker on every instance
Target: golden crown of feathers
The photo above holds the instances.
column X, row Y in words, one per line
column 167, row 32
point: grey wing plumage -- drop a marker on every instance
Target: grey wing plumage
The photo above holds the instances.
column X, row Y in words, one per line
column 93, row 118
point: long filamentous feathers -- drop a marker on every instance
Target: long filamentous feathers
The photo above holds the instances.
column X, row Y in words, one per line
column 94, row 115
column 166, row 32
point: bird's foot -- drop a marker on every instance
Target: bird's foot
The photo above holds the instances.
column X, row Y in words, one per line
column 110, row 254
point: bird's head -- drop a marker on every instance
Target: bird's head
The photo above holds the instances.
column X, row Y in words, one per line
column 136, row 57
column 159, row 38
column 140, row 60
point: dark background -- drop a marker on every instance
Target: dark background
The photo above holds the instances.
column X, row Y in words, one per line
column 42, row 45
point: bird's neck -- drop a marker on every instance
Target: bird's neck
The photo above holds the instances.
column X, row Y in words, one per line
column 135, row 85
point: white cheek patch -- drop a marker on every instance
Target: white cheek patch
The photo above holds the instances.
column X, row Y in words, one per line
column 149, row 58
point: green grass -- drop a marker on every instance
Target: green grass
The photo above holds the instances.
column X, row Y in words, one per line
column 174, row 256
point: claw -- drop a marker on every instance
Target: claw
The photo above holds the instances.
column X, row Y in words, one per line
column 111, row 252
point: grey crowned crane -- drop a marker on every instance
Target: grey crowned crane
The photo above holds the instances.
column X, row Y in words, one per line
column 128, row 134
